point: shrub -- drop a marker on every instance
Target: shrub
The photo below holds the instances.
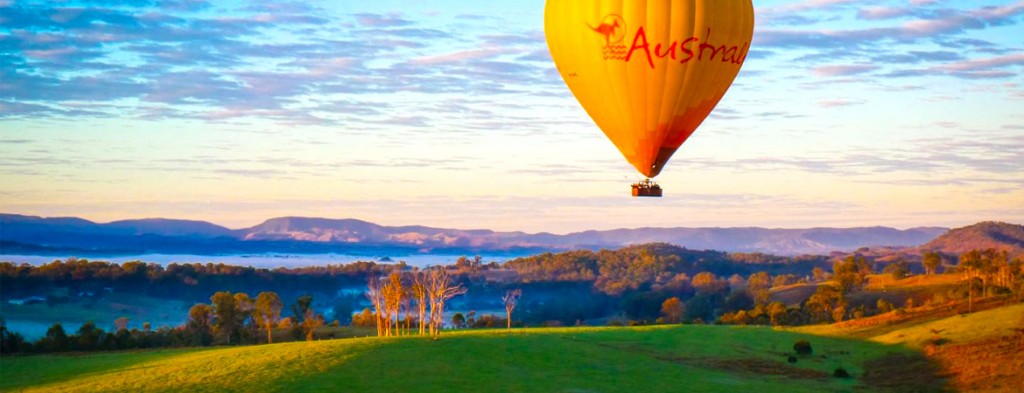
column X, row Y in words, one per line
column 840, row 373
column 791, row 360
column 802, row 347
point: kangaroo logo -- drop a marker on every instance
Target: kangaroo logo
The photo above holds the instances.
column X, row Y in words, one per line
column 612, row 26
column 613, row 29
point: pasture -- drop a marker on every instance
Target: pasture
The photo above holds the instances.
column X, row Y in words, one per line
column 658, row 358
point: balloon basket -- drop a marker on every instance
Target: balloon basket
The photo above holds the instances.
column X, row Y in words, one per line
column 646, row 188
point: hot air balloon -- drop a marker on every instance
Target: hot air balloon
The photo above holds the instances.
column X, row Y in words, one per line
column 648, row 72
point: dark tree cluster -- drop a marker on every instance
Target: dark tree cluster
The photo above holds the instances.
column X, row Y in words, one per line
column 229, row 319
column 89, row 337
column 192, row 282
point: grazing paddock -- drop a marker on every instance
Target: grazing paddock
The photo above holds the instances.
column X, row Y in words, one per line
column 651, row 359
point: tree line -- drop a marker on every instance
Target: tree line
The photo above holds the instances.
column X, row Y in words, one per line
column 635, row 285
column 184, row 281
column 983, row 273
column 229, row 319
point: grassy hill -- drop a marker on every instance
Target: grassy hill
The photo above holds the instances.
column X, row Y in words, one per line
column 920, row 288
column 997, row 235
column 649, row 359
column 979, row 352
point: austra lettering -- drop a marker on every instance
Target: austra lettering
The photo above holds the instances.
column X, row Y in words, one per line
column 686, row 50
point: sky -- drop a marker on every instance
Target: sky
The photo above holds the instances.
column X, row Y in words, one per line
column 449, row 113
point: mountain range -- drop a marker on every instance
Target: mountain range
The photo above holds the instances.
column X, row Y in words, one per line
column 31, row 235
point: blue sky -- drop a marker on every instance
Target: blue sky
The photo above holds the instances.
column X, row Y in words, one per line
column 450, row 113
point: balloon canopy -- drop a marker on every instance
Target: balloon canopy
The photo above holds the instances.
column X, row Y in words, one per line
column 648, row 72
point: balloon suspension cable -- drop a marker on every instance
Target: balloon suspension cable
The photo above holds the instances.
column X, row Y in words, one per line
column 646, row 188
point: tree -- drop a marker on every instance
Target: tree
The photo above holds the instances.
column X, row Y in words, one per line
column 11, row 342
column 303, row 310
column 440, row 288
column 822, row 305
column 394, row 292
column 310, row 322
column 267, row 312
column 707, row 283
column 672, row 310
column 227, row 318
column 931, row 262
column 458, row 320
column 246, row 306
column 121, row 323
column 376, row 297
column 898, row 270
column 971, row 264
column 89, row 337
column 199, row 324
column 56, row 339
column 759, row 284
column 364, row 318
column 819, row 274
column 775, row 311
column 511, row 300
column 851, row 273
column 884, row 306
column 418, row 291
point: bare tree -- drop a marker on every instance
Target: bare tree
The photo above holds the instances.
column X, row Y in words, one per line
column 393, row 291
column 440, row 289
column 407, row 305
column 511, row 300
column 419, row 294
column 376, row 297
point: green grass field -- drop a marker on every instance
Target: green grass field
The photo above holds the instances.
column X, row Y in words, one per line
column 642, row 359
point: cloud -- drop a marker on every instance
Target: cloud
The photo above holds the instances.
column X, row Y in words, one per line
column 806, row 5
column 878, row 13
column 927, row 26
column 938, row 160
column 983, row 64
column 844, row 70
column 457, row 57
column 837, row 103
column 377, row 20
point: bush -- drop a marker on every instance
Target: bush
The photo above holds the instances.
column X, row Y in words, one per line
column 791, row 359
column 802, row 347
column 840, row 373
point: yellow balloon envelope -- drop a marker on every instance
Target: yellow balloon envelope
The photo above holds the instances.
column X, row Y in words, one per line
column 648, row 72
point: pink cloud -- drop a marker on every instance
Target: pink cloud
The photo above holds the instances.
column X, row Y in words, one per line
column 836, row 103
column 985, row 64
column 844, row 70
column 807, row 5
column 457, row 57
column 875, row 13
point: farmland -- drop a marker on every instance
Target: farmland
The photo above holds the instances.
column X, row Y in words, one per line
column 660, row 358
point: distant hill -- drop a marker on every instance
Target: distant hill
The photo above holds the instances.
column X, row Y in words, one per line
column 310, row 234
column 984, row 235
column 752, row 239
column 166, row 227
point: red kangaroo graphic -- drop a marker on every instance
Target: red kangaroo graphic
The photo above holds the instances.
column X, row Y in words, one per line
column 606, row 29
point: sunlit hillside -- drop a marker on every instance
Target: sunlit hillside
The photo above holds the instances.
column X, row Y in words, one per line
column 983, row 351
column 642, row 359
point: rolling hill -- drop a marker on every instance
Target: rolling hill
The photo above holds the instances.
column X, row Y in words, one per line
column 976, row 352
column 32, row 235
column 1000, row 236
column 689, row 358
